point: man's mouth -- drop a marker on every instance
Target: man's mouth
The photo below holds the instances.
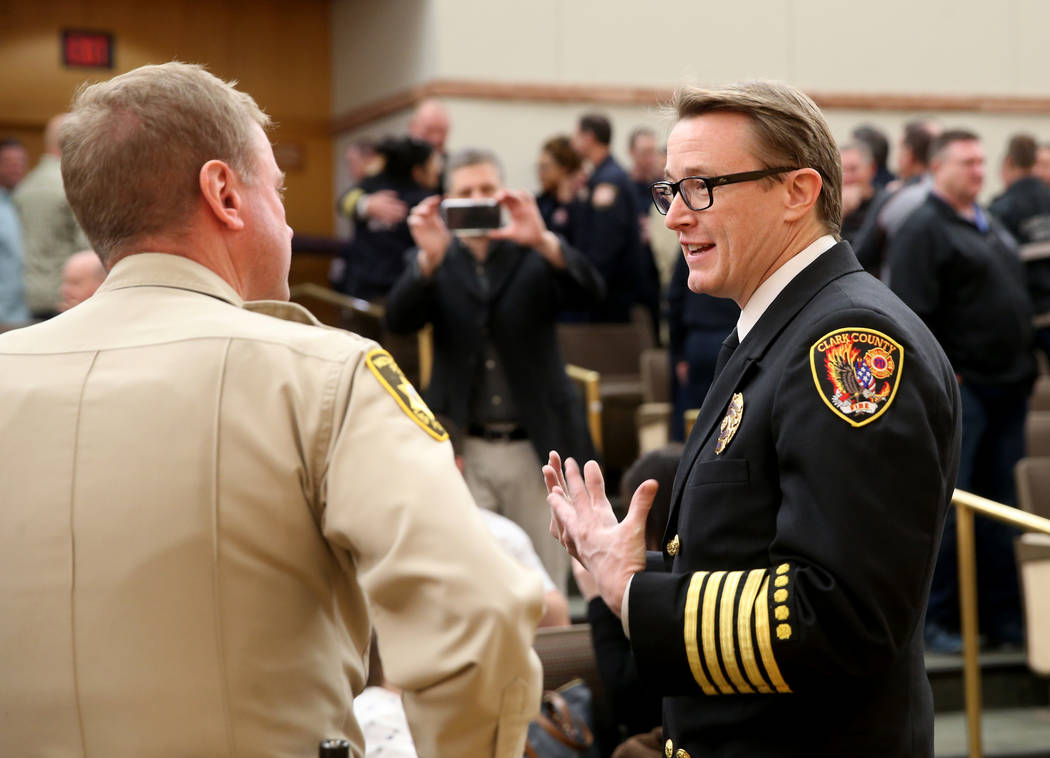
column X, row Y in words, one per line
column 698, row 249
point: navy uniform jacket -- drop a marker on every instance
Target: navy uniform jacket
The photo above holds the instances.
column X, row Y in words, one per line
column 518, row 315
column 784, row 617
column 606, row 231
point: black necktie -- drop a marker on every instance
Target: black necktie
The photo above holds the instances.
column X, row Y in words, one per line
column 724, row 353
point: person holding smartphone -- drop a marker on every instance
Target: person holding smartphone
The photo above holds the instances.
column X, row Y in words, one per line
column 492, row 295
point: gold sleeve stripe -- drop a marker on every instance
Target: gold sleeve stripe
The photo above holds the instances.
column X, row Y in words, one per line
column 765, row 644
column 743, row 630
column 692, row 650
column 726, row 632
column 349, row 202
column 708, row 631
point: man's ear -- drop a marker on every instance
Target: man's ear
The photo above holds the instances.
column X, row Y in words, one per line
column 219, row 186
column 803, row 190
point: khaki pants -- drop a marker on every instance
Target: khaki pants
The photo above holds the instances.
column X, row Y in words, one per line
column 505, row 477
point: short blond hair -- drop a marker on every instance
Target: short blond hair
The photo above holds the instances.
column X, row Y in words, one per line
column 789, row 130
column 133, row 147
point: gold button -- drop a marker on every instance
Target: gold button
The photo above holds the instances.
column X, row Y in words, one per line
column 781, row 612
column 783, row 568
column 682, row 754
column 780, row 596
column 781, row 581
column 673, row 546
column 668, row 749
column 783, row 631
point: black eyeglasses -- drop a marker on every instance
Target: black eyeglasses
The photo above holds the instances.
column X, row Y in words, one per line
column 697, row 192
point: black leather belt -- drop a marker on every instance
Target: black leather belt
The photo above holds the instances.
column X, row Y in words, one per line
column 497, row 434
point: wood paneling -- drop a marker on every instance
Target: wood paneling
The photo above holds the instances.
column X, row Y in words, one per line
column 278, row 50
column 655, row 96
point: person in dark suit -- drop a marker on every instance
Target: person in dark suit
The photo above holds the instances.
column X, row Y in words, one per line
column 783, row 616
column 497, row 371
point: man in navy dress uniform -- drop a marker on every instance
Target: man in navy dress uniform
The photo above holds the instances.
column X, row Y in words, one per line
column 784, row 615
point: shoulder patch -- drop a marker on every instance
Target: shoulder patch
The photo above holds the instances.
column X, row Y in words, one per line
column 857, row 372
column 393, row 379
column 604, row 195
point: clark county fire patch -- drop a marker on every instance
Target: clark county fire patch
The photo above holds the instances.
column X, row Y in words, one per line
column 393, row 380
column 857, row 372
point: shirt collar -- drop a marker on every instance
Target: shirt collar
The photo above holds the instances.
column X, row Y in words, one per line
column 769, row 289
column 168, row 270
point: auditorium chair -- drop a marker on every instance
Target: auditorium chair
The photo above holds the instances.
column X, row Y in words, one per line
column 614, row 351
column 1032, row 476
column 1037, row 434
column 1033, row 569
column 653, row 416
column 1040, row 400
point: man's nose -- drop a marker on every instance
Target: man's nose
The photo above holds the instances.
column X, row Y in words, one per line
column 679, row 214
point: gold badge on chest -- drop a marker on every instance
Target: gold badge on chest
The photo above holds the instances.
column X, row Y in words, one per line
column 730, row 423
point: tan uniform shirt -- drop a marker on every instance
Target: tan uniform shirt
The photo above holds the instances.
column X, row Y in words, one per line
column 50, row 233
column 203, row 510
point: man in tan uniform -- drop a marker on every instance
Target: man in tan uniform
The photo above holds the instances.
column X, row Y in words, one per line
column 206, row 508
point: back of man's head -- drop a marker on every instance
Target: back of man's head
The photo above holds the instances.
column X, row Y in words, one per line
column 598, row 126
column 917, row 138
column 14, row 162
column 876, row 142
column 133, row 148
column 1021, row 152
column 788, row 129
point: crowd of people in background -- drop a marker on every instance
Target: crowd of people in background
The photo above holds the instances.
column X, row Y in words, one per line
column 589, row 247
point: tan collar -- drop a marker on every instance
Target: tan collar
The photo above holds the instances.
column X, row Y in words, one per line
column 166, row 270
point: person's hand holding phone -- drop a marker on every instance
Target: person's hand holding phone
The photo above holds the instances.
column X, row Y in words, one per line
column 430, row 234
column 526, row 226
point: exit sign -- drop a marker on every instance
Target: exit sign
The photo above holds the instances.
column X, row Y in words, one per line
column 87, row 49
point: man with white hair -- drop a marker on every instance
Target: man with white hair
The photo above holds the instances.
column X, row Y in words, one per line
column 233, row 495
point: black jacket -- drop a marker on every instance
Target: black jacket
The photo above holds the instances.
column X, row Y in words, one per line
column 526, row 295
column 1024, row 209
column 968, row 285
column 784, row 617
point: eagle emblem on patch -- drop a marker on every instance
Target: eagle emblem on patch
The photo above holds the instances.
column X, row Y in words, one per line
column 393, row 380
column 857, row 372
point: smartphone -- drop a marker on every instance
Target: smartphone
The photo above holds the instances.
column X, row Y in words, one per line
column 471, row 217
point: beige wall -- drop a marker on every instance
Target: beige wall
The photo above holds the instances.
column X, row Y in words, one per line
column 278, row 50
column 899, row 47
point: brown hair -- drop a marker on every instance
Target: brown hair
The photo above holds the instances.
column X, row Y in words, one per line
column 133, row 147
column 789, row 130
column 560, row 149
column 1021, row 151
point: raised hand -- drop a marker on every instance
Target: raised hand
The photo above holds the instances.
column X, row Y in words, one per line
column 385, row 206
column 526, row 226
column 583, row 521
column 429, row 233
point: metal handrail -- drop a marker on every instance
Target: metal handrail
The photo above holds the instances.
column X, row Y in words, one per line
column 330, row 296
column 966, row 503
column 591, row 383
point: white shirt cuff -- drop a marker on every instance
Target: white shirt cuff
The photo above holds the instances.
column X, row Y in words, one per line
column 623, row 608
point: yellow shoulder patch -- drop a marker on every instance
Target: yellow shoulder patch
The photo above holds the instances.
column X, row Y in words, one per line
column 857, row 372
column 604, row 195
column 393, row 380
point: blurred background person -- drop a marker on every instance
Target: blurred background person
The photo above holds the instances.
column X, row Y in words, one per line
column 879, row 146
column 697, row 326
column 560, row 171
column 12, row 300
column 647, row 166
column 498, row 372
column 375, row 258
column 958, row 269
column 82, row 274
column 858, row 187
column 50, row 232
column 1024, row 209
column 607, row 232
column 900, row 198
column 14, row 163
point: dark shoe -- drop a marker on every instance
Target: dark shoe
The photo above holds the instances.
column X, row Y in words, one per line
column 941, row 641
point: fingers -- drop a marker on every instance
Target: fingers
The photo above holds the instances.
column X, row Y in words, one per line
column 642, row 502
column 574, row 479
column 594, row 480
